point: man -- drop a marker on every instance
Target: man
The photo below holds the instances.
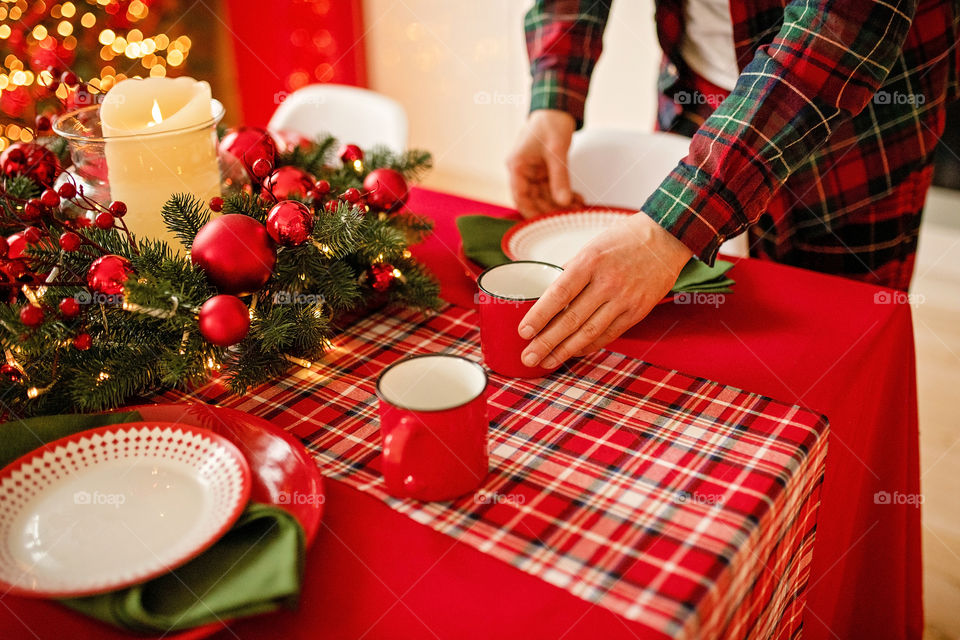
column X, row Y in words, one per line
column 822, row 151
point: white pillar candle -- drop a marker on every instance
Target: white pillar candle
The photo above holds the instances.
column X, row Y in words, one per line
column 160, row 141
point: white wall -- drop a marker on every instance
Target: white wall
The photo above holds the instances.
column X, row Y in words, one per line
column 460, row 69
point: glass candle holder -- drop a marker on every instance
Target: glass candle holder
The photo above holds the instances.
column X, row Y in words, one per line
column 143, row 170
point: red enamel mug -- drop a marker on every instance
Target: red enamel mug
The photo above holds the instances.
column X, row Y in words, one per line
column 433, row 426
column 507, row 293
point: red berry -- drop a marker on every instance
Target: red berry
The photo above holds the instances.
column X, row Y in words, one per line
column 118, row 209
column 104, row 220
column 331, row 206
column 42, row 124
column 32, row 210
column 67, row 190
column 351, row 195
column 82, row 342
column 69, row 78
column 216, row 204
column 262, row 168
column 69, row 241
column 322, row 187
column 69, row 307
column 32, row 235
column 31, row 316
column 49, row 198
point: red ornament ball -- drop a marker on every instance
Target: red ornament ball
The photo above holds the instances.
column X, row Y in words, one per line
column 32, row 160
column 235, row 252
column 381, row 276
column 224, row 320
column 216, row 204
column 69, row 241
column 82, row 341
column 289, row 223
column 31, row 316
column 261, row 168
column 289, row 182
column 386, row 189
column 69, row 307
column 242, row 147
column 16, row 244
column 350, row 153
column 108, row 274
column 11, row 373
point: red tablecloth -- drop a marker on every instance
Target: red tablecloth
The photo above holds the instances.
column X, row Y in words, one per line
column 834, row 345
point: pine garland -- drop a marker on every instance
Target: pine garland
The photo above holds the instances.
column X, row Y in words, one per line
column 148, row 340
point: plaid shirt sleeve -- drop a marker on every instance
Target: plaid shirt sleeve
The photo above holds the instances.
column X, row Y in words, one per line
column 564, row 40
column 822, row 68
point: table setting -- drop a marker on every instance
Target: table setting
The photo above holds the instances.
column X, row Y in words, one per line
column 284, row 397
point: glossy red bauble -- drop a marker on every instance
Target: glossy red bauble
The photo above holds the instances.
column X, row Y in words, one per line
column 235, row 252
column 289, row 182
column 386, row 189
column 31, row 315
column 69, row 307
column 32, row 160
column 224, row 320
column 11, row 373
column 290, row 223
column 107, row 274
column 216, row 204
column 350, row 153
column 381, row 276
column 243, row 146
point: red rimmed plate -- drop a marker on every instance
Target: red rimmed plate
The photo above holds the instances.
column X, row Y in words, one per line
column 110, row 507
column 556, row 237
column 282, row 472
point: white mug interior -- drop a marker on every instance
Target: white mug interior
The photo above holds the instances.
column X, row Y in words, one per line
column 432, row 382
column 519, row 280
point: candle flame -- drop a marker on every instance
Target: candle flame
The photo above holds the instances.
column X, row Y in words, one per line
column 157, row 116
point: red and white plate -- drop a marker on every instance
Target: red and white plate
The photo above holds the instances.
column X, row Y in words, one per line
column 557, row 237
column 113, row 506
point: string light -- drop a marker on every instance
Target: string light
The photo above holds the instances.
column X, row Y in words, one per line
column 78, row 25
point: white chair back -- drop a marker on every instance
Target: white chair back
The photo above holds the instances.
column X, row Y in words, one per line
column 621, row 168
column 353, row 115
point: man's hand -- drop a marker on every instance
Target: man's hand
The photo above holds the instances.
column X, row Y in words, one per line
column 604, row 290
column 539, row 178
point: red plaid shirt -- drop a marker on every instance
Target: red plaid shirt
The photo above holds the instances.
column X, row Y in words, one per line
column 824, row 148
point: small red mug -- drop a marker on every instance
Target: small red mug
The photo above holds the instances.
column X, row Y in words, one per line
column 507, row 293
column 433, row 426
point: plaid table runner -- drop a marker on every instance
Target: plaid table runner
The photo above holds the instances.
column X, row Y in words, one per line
column 675, row 501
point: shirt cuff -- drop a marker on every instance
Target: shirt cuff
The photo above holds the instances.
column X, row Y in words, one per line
column 695, row 212
column 554, row 89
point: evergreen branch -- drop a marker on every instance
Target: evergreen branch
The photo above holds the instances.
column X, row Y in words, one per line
column 184, row 215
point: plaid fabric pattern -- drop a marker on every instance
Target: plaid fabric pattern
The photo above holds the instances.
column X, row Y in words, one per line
column 672, row 500
column 825, row 144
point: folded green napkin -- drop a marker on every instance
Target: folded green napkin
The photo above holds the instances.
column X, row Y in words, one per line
column 481, row 237
column 255, row 567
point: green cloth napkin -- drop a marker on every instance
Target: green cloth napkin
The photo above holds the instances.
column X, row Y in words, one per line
column 256, row 567
column 481, row 236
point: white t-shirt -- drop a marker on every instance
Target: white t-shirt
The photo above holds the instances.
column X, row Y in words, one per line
column 707, row 44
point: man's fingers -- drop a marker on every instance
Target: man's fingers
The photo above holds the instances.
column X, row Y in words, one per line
column 588, row 332
column 564, row 289
column 559, row 178
column 566, row 322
